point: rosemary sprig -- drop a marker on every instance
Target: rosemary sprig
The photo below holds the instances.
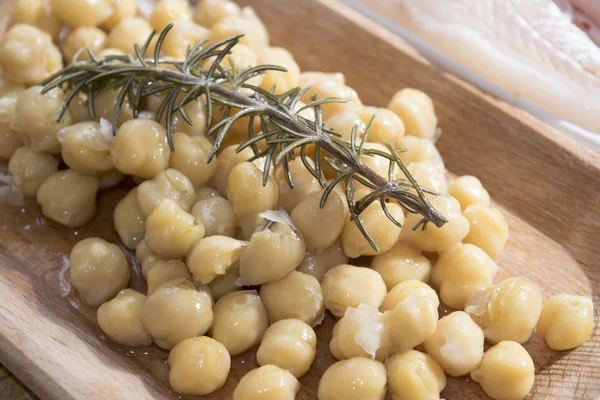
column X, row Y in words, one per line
column 285, row 133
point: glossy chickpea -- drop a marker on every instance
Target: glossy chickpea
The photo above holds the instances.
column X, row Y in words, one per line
column 190, row 158
column 213, row 256
column 566, row 321
column 129, row 222
column 468, row 190
column 488, row 229
column 228, row 158
column 460, row 272
column 86, row 147
column 401, row 263
column 121, row 319
column 98, row 270
column 283, row 81
column 224, row 284
column 176, row 311
column 217, row 216
column 332, row 88
column 429, row 175
column 36, row 13
column 416, row 109
column 68, row 197
column 82, row 38
column 130, row 31
column 247, row 23
column 184, row 35
column 508, row 310
column 304, row 183
column 386, row 126
column 318, row 263
column 348, row 286
column 169, row 184
column 82, row 12
column 247, row 193
column 456, row 344
column 419, row 150
column 121, row 9
column 240, row 321
column 209, row 12
column 506, row 372
column 199, row 366
column 167, row 11
column 414, row 375
column 30, row 168
column 160, row 271
column 354, row 379
column 343, row 124
column 104, row 108
column 289, row 344
column 268, row 382
column 271, row 254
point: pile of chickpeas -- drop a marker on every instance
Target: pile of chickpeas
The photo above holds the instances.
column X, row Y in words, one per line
column 232, row 264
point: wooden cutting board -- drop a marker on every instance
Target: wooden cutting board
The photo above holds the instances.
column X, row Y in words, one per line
column 548, row 186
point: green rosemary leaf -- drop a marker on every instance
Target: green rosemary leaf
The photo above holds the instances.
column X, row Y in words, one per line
column 388, row 214
column 350, row 190
column 119, row 103
column 159, row 43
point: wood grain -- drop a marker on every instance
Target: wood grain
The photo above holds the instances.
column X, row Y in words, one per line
column 547, row 185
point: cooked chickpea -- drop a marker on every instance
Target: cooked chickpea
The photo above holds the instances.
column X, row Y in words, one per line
column 36, row 13
column 9, row 138
column 386, row 126
column 240, row 321
column 354, row 379
column 304, row 183
column 414, row 375
column 190, row 156
column 121, row 319
column 228, row 158
column 506, row 372
column 169, row 184
column 28, row 56
column 343, row 123
column 268, row 382
column 213, row 256
column 566, row 321
column 318, row 263
column 82, row 12
column 167, row 11
column 250, row 224
column 468, row 190
column 434, row 238
column 82, row 38
column 160, row 271
column 289, row 344
column 456, row 344
column 86, row 148
column 209, row 12
column 508, row 310
column 121, row 9
column 224, row 284
column 104, row 108
column 68, row 197
column 429, row 175
column 348, row 286
column 488, row 229
column 332, row 88
column 419, row 150
column 217, row 216
column 109, row 179
column 283, row 81
column 206, row 192
column 384, row 232
column 271, row 254
column 182, row 36
column 246, row 23
column 401, row 263
column 460, row 272
column 129, row 222
column 30, row 168
column 176, row 311
column 247, row 193
column 199, row 366
column 98, row 270
column 416, row 109
column 130, row 31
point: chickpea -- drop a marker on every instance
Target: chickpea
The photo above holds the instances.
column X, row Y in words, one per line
column 68, row 197
column 209, row 12
column 401, row 263
column 348, row 286
column 82, row 12
column 384, row 232
column 176, row 311
column 268, row 382
column 121, row 9
column 30, row 168
column 35, row 118
column 386, row 126
column 104, row 108
column 508, row 310
column 354, row 379
column 214, row 256
column 121, row 319
column 247, row 193
column 109, row 179
column 460, row 272
column 566, row 321
column 416, row 109
column 190, row 158
column 98, row 270
column 271, row 254
column 332, row 88
column 241, row 57
column 283, row 81
column 247, row 23
column 343, row 124
column 169, row 184
column 318, row 263
column 224, row 284
column 304, row 184
column 456, row 344
column 240, row 321
column 129, row 222
column 468, row 190
column 420, row 150
column 414, row 375
column 28, row 56
column 434, row 238
column 128, row 32
column 217, row 216
column 83, row 37
column 488, row 229
column 167, row 11
column 161, row 271
column 86, row 148
column 183, row 35
column 429, row 175
column 38, row 14
column 289, row 344
column 506, row 372
column 9, row 139
column 206, row 192
column 250, row 224
column 228, row 159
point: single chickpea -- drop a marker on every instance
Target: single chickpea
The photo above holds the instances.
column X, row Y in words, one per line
column 182, row 36
column 331, row 88
column 456, row 344
column 121, row 319
column 37, row 13
column 434, row 238
column 354, row 379
column 30, row 168
column 228, row 158
column 271, row 254
column 68, row 197
column 167, row 11
column 190, row 158
column 169, row 184
column 199, row 366
column 160, row 271
column 343, row 124
column 460, row 272
column 224, row 284
column 86, row 147
column 283, row 81
column 468, row 190
column 348, row 286
column 98, row 270
column 207, row 192
column 506, row 372
column 416, row 109
column 196, row 111
column 488, row 229
column 304, row 183
column 508, row 310
column 247, row 23
column 386, row 126
column 35, row 118
column 213, row 256
column 414, row 375
column 247, row 193
column 289, row 344
column 217, row 216
column 268, row 382
column 129, row 222
column 318, row 263
column 121, row 9
column 209, row 12
column 411, row 314
column 309, row 78
column 419, row 150
column 377, row 163
column 429, row 175
column 128, row 32
column 82, row 12
column 83, row 37
column 176, row 311
column 240, row 321
column 384, row 232
column 566, row 321
column 401, row 263
column 104, row 108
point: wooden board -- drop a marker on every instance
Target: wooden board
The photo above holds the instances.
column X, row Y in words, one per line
column 548, row 186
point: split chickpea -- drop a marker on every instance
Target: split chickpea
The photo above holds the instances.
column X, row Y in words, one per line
column 213, row 256
column 268, row 382
column 121, row 319
column 169, row 184
column 354, row 379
